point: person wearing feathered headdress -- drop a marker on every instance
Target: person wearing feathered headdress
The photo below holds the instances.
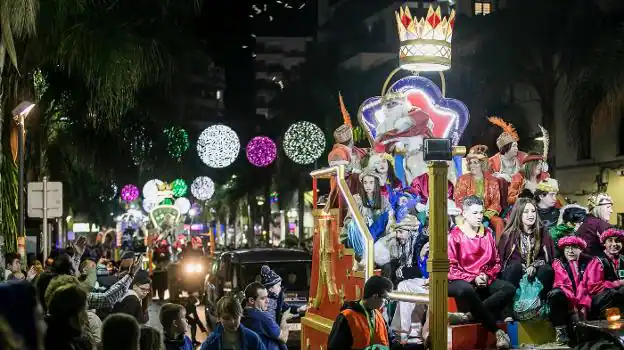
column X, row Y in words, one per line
column 600, row 206
column 508, row 160
column 604, row 276
column 344, row 152
column 534, row 170
column 478, row 182
column 565, row 299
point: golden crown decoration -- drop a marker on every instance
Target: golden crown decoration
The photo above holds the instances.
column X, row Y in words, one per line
column 425, row 42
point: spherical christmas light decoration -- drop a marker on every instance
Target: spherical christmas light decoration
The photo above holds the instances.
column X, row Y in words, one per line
column 129, row 193
column 261, row 151
column 304, row 142
column 150, row 189
column 183, row 204
column 179, row 187
column 218, row 146
column 203, row 188
column 149, row 204
column 177, row 141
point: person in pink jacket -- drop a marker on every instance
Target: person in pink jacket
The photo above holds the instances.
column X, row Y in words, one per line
column 565, row 297
column 604, row 277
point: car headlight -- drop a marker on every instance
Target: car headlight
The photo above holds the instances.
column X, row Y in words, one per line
column 193, row 268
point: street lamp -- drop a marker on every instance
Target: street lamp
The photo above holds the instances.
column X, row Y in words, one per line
column 19, row 116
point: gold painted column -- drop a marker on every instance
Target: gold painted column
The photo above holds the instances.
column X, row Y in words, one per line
column 438, row 263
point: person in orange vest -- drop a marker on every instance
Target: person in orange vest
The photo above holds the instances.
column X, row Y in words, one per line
column 360, row 324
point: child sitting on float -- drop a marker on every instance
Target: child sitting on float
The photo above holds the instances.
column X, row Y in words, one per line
column 375, row 210
column 565, row 297
column 604, row 277
column 570, row 219
column 526, row 248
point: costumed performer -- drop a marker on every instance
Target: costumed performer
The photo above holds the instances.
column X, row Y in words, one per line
column 524, row 183
column 604, row 276
column 546, row 199
column 375, row 210
column 474, row 267
column 508, row 161
column 478, row 182
column 571, row 218
column 600, row 207
column 526, row 249
column 565, row 297
column 383, row 164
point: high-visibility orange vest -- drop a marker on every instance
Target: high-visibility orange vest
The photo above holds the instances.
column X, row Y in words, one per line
column 360, row 331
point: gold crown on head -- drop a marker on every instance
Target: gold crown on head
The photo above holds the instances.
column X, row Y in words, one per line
column 425, row 42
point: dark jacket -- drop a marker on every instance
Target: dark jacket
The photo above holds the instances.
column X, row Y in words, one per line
column 249, row 339
column 509, row 249
column 280, row 306
column 61, row 336
column 183, row 342
column 130, row 305
column 341, row 335
column 266, row 328
column 590, row 231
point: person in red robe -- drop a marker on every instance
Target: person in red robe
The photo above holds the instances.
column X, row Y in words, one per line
column 565, row 297
column 481, row 183
column 473, row 271
column 604, row 277
column 527, row 179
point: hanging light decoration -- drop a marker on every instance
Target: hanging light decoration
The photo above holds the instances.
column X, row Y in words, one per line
column 304, row 142
column 183, row 204
column 203, row 188
column 179, row 188
column 261, row 151
column 218, row 146
column 177, row 141
column 129, row 193
column 150, row 189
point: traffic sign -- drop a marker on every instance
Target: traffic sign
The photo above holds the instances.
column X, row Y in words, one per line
column 54, row 199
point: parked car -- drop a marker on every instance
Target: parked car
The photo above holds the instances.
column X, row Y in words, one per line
column 232, row 271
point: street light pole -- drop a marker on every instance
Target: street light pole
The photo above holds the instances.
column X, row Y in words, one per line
column 20, row 148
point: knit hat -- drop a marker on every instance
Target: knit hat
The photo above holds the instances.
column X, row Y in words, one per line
column 572, row 241
column 508, row 135
column 141, row 277
column 268, row 277
column 612, row 232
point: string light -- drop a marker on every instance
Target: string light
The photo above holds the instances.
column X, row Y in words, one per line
column 218, row 146
column 177, row 141
column 261, row 151
column 129, row 193
column 179, row 188
column 304, row 142
column 203, row 188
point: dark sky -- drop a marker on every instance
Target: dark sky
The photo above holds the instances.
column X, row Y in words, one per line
column 229, row 26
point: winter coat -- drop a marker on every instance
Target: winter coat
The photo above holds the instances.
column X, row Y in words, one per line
column 266, row 328
column 249, row 340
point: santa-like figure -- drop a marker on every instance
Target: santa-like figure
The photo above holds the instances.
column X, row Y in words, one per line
column 344, row 152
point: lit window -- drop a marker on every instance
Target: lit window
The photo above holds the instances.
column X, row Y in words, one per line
column 219, row 95
column 482, row 7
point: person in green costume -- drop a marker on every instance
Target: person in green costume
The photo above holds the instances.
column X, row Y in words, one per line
column 570, row 220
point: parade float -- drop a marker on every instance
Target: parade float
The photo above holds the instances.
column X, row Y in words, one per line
column 409, row 111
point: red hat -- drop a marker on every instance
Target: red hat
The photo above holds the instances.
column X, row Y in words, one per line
column 572, row 241
column 612, row 232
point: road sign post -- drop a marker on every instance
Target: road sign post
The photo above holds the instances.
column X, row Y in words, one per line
column 45, row 200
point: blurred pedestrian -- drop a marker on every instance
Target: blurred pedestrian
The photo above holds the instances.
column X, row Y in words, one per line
column 151, row 339
column 120, row 332
column 173, row 320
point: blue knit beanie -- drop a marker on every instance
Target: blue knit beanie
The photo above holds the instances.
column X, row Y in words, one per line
column 268, row 277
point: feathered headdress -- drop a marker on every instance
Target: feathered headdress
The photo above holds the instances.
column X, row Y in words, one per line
column 508, row 135
column 343, row 109
column 546, row 141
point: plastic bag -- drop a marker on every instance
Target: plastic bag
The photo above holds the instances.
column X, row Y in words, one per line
column 527, row 304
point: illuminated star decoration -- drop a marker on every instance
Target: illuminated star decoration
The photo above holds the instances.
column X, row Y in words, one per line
column 218, row 146
column 177, row 141
column 129, row 193
column 304, row 142
column 179, row 188
column 261, row 151
column 203, row 188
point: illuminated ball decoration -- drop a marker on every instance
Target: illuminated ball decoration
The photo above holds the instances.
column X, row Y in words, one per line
column 183, row 204
column 149, row 204
column 177, row 141
column 304, row 142
column 129, row 193
column 179, row 188
column 218, row 146
column 261, row 151
column 203, row 188
column 150, row 189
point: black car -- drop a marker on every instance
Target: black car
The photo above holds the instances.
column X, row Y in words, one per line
column 232, row 271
